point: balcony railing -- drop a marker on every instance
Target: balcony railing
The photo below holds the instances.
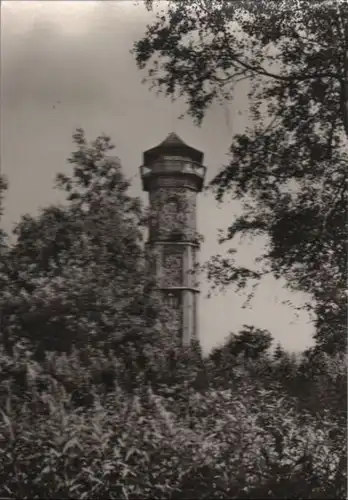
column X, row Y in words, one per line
column 172, row 165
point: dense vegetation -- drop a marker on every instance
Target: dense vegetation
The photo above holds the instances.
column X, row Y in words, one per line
column 97, row 398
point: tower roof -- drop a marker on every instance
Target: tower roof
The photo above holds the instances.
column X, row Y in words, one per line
column 173, row 145
column 173, row 140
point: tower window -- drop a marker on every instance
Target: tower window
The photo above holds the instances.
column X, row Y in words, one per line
column 176, row 235
column 172, row 265
column 174, row 218
column 172, row 300
column 173, row 204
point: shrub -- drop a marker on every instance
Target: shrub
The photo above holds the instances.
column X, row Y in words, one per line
column 249, row 443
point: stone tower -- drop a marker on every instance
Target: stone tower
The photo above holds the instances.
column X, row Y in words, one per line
column 172, row 173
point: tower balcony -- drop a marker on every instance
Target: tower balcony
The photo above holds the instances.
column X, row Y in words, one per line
column 173, row 167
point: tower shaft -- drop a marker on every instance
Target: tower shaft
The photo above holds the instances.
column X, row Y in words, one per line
column 172, row 176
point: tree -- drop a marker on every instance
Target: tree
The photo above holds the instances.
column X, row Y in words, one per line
column 250, row 342
column 242, row 357
column 289, row 167
column 76, row 275
column 279, row 352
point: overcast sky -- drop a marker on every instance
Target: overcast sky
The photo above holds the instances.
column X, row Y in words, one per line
column 66, row 64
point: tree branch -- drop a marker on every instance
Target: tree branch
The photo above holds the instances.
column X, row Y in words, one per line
column 285, row 78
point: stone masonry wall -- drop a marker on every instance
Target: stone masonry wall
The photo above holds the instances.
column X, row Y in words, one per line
column 173, row 213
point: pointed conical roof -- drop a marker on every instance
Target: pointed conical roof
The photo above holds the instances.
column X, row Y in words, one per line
column 174, row 145
column 173, row 140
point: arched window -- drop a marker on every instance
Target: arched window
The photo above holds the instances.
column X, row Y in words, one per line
column 173, row 204
column 174, row 217
column 172, row 265
column 172, row 300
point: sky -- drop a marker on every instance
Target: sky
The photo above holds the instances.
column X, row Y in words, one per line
column 67, row 64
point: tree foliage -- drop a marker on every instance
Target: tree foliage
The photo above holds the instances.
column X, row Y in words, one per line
column 251, row 342
column 245, row 442
column 289, row 167
column 97, row 399
column 76, row 274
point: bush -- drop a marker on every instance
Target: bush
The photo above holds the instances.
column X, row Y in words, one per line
column 242, row 443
